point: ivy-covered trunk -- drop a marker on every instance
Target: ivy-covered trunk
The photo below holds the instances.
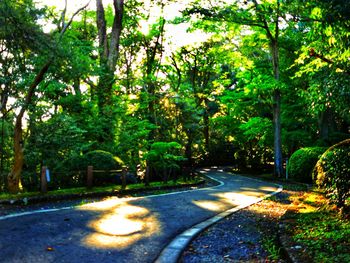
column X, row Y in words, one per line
column 108, row 55
column 105, row 108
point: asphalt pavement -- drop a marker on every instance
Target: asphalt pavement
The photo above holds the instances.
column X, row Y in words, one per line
column 121, row 229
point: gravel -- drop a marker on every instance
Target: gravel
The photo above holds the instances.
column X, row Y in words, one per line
column 249, row 235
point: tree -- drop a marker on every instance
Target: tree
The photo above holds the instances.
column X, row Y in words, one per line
column 265, row 15
column 17, row 16
column 323, row 61
column 108, row 56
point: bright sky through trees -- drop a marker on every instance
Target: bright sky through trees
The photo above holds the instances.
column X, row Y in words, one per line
column 176, row 34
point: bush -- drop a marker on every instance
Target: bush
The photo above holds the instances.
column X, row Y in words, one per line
column 302, row 162
column 165, row 158
column 103, row 160
column 332, row 172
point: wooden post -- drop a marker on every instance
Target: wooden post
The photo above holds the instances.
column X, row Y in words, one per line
column 43, row 180
column 90, row 176
column 124, row 171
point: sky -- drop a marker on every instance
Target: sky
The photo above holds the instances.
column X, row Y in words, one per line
column 175, row 33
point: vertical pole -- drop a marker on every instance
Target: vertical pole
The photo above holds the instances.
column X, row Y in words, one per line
column 43, row 181
column 90, row 176
column 124, row 171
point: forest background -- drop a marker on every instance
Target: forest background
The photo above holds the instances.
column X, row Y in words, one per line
column 250, row 83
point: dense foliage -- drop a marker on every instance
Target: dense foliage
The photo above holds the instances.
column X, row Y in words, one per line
column 332, row 172
column 302, row 162
column 263, row 79
column 165, row 158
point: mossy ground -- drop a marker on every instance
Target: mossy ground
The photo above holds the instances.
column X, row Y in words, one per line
column 318, row 227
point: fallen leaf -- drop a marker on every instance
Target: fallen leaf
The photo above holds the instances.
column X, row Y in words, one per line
column 49, row 249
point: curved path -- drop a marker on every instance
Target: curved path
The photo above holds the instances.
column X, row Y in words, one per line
column 121, row 229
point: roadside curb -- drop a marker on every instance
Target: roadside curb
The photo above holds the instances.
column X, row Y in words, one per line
column 172, row 252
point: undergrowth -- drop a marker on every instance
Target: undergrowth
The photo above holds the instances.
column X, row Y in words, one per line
column 322, row 229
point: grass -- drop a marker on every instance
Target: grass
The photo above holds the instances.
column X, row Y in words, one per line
column 271, row 247
column 100, row 189
column 313, row 223
column 320, row 228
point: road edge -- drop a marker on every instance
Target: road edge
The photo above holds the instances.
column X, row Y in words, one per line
column 39, row 211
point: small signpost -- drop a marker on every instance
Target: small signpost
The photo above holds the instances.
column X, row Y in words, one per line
column 48, row 175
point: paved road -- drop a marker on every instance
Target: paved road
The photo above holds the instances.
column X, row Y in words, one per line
column 121, row 229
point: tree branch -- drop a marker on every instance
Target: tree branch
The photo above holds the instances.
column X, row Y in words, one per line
column 64, row 29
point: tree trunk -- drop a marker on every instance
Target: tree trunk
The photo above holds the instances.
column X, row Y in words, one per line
column 188, row 149
column 108, row 53
column 206, row 131
column 325, row 124
column 278, row 160
column 14, row 177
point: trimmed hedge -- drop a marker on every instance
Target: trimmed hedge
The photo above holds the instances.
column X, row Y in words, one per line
column 332, row 172
column 302, row 162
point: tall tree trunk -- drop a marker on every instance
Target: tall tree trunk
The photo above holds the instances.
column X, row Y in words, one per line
column 278, row 159
column 325, row 124
column 273, row 39
column 108, row 53
column 206, row 131
column 14, row 177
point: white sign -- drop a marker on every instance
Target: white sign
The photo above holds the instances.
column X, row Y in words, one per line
column 47, row 175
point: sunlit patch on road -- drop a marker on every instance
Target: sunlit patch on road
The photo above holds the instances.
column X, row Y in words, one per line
column 209, row 205
column 223, row 199
column 238, row 198
column 120, row 225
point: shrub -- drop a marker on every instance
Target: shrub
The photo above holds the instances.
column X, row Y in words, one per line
column 302, row 162
column 165, row 158
column 103, row 160
column 332, row 172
